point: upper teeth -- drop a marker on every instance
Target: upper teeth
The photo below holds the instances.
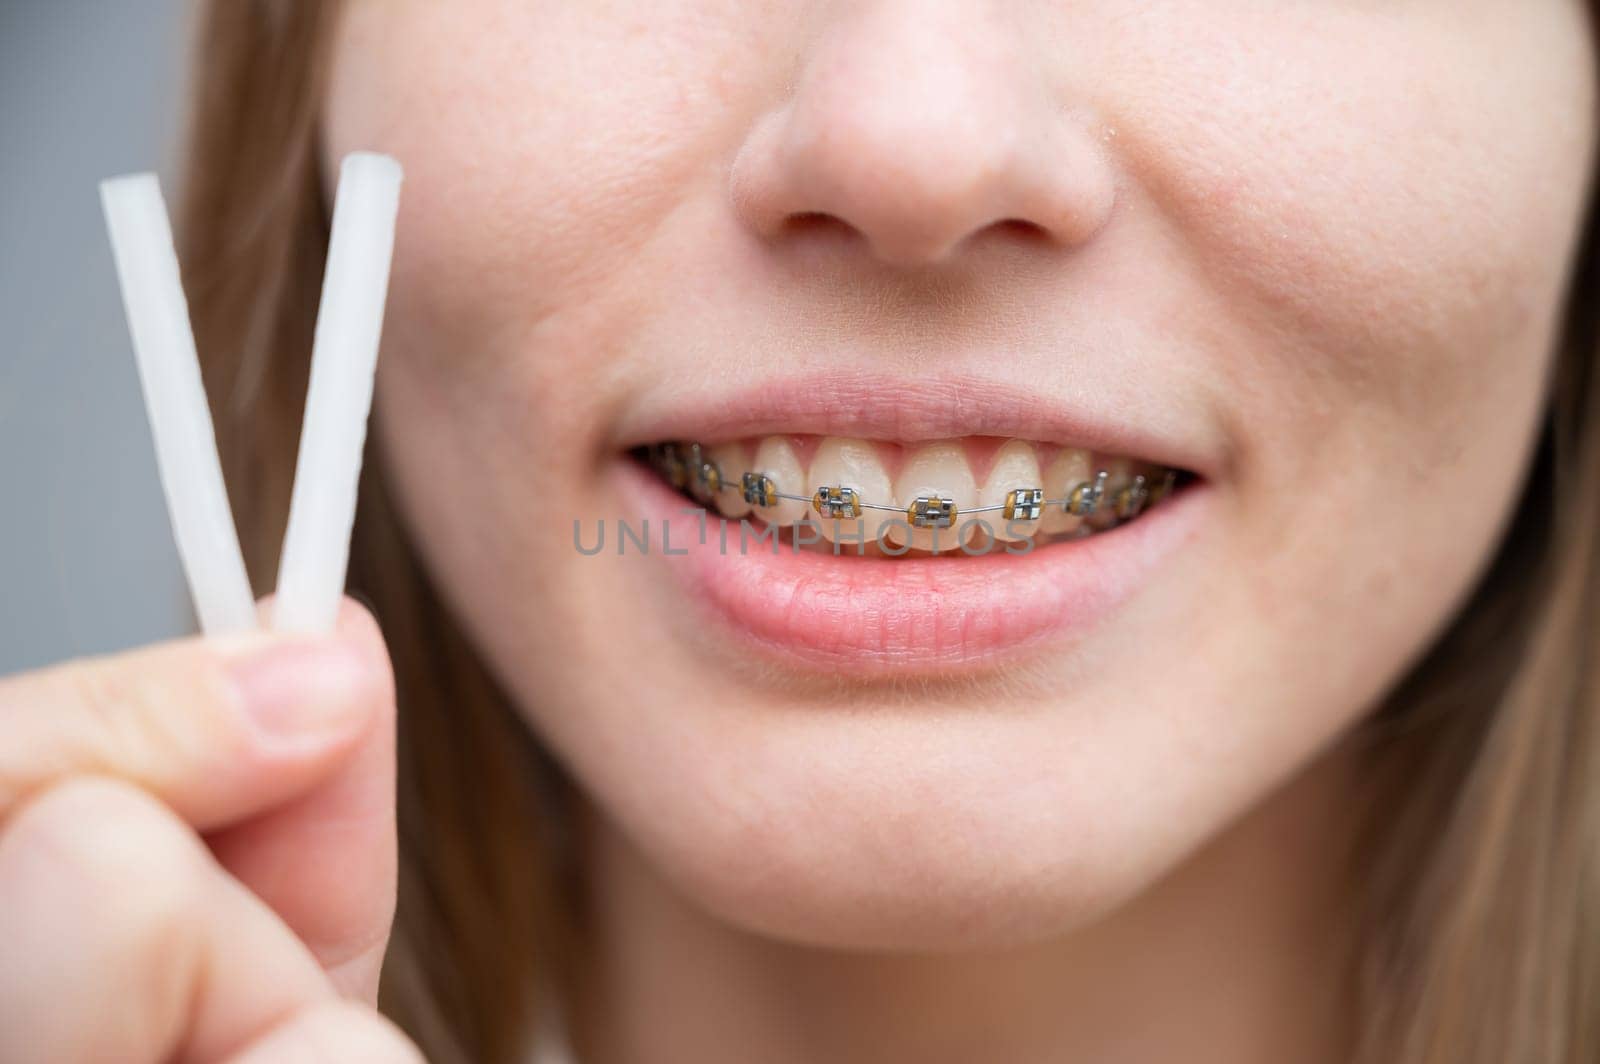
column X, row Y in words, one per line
column 848, row 482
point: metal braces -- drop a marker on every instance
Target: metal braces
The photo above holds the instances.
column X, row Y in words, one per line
column 686, row 466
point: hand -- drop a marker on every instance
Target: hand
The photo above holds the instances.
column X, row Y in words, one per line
column 197, row 852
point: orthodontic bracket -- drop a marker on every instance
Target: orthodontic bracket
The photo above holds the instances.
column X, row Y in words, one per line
column 932, row 511
column 1132, row 498
column 759, row 490
column 1084, row 499
column 1024, row 504
column 836, row 502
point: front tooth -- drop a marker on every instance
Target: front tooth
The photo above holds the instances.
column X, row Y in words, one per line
column 938, row 469
column 1068, row 469
column 847, row 463
column 730, row 461
column 776, row 458
column 1015, row 468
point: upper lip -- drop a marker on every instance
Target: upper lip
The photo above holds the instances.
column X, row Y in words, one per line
column 880, row 407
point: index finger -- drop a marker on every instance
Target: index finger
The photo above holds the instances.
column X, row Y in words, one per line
column 219, row 729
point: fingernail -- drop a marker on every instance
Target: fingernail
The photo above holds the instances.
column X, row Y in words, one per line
column 302, row 690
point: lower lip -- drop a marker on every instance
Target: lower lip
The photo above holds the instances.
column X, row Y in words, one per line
column 907, row 615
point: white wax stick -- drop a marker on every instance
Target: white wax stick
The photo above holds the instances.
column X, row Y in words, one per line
column 344, row 358
column 175, row 398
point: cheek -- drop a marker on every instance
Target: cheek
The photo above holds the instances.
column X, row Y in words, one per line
column 545, row 148
column 1365, row 233
column 543, row 144
column 1382, row 212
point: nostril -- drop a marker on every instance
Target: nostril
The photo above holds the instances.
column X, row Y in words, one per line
column 907, row 245
column 802, row 222
column 1016, row 232
column 1021, row 229
column 823, row 225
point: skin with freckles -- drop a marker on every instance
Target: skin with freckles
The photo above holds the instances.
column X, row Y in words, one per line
column 1313, row 244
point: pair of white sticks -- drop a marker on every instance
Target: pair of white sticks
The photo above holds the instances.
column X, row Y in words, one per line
column 344, row 358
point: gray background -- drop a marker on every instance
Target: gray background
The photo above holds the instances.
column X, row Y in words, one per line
column 88, row 89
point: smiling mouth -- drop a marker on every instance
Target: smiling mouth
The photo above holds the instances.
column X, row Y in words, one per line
column 945, row 498
column 864, row 518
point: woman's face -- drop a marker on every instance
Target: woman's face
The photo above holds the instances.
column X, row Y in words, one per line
column 1312, row 254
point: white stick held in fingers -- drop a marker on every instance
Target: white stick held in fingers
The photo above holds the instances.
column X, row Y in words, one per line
column 344, row 358
column 175, row 398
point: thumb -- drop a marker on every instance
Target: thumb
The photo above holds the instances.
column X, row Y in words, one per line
column 326, row 860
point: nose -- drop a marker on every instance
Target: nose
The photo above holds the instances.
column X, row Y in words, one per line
column 919, row 124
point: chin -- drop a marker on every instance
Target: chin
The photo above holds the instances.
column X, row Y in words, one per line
column 895, row 828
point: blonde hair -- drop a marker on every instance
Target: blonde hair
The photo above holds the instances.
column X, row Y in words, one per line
column 1476, row 929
